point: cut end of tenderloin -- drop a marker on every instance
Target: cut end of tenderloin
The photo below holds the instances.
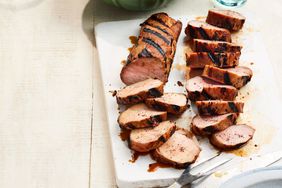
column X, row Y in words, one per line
column 200, row 45
column 139, row 91
column 237, row 76
column 174, row 103
column 202, row 30
column 147, row 139
column 142, row 69
column 200, row 88
column 140, row 116
column 227, row 19
column 218, row 107
column 233, row 137
column 180, row 150
column 200, row 59
column 206, row 125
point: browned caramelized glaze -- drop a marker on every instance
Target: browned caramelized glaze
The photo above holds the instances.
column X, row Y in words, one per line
column 154, row 166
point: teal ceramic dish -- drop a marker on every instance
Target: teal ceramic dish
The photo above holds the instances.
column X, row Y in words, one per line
column 138, row 5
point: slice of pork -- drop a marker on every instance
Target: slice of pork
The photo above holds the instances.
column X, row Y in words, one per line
column 200, row 88
column 200, row 45
column 147, row 139
column 174, row 103
column 227, row 19
column 139, row 91
column 140, row 116
column 237, row 77
column 206, row 125
column 218, row 107
column 180, row 150
column 142, row 69
column 233, row 137
column 202, row 30
column 200, row 59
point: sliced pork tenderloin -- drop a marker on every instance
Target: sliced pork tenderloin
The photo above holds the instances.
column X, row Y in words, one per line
column 218, row 107
column 140, row 116
column 237, row 77
column 232, row 137
column 180, row 150
column 174, row 103
column 224, row 60
column 206, row 125
column 139, row 91
column 147, row 139
column 200, row 88
column 227, row 19
column 202, row 30
column 200, row 45
column 153, row 55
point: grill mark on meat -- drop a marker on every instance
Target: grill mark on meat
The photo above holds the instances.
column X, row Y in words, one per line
column 205, row 94
column 159, row 107
column 227, row 25
column 144, row 53
column 210, row 129
column 216, row 37
column 210, row 110
column 226, row 78
column 203, row 33
column 196, row 93
column 162, row 139
column 214, row 58
column 225, row 60
column 223, row 90
column 230, row 117
column 157, row 34
column 246, row 79
column 134, row 98
column 233, row 107
column 175, row 108
column 157, row 27
column 154, row 17
column 154, row 120
column 155, row 45
column 130, row 126
column 128, row 62
column 222, row 47
column 154, row 92
column 191, row 31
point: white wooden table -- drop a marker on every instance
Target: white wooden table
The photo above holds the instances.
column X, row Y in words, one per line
column 53, row 130
column 46, row 94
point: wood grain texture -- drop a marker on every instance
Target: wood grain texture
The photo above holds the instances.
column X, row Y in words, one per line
column 46, row 95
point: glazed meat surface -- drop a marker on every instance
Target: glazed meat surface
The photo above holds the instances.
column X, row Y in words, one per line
column 202, row 30
column 153, row 55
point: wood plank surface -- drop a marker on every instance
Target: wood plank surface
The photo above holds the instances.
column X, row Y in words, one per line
column 46, row 94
